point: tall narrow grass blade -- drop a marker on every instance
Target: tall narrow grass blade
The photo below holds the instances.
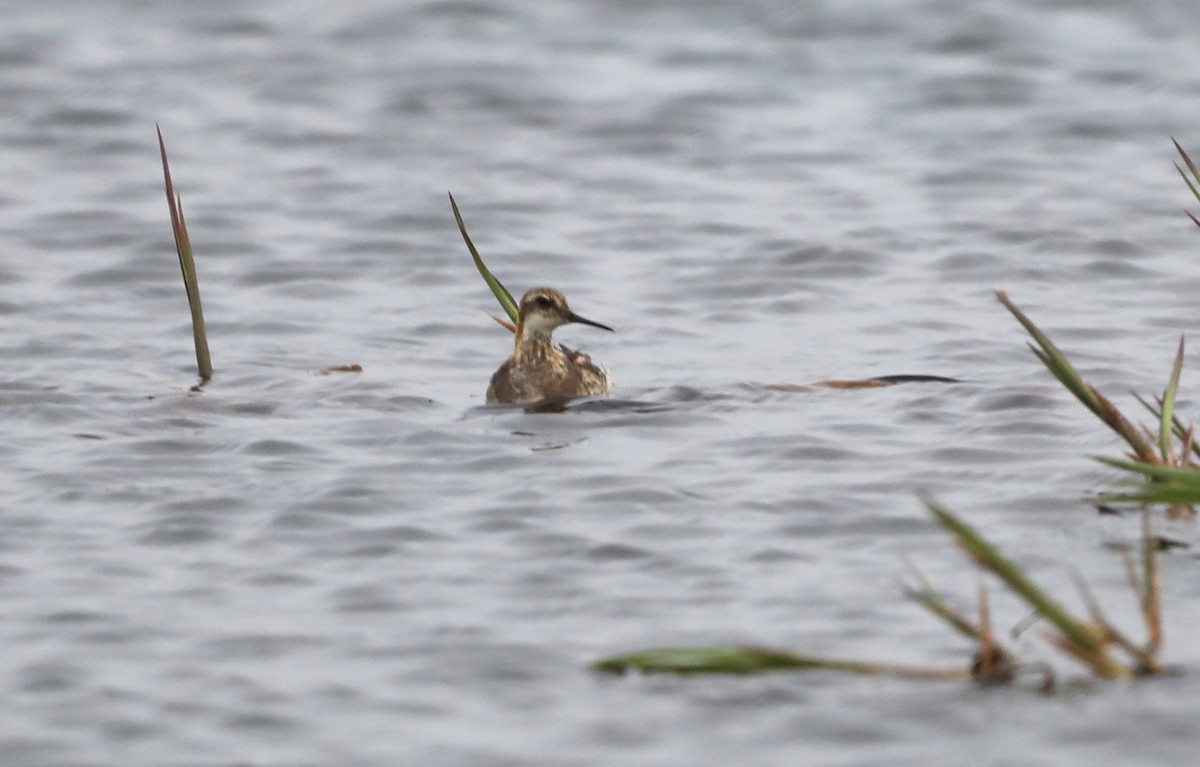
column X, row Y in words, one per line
column 1194, row 188
column 187, row 265
column 498, row 290
column 1053, row 358
column 755, row 660
column 1191, row 167
column 1187, row 181
column 1166, row 420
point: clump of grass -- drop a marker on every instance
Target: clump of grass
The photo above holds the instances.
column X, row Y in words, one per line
column 1165, row 457
column 1162, row 455
column 187, row 265
column 1094, row 642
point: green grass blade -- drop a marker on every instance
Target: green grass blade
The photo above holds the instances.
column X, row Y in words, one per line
column 1182, row 475
column 1177, row 485
column 1187, row 181
column 1191, row 167
column 1004, row 568
column 1054, row 359
column 1058, row 365
column 1192, row 187
column 187, row 264
column 754, row 660
column 502, row 295
column 1168, row 495
column 1166, row 421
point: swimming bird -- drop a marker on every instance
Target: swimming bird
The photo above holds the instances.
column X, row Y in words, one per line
column 538, row 368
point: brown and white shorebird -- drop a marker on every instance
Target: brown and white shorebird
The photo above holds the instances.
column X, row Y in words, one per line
column 539, row 369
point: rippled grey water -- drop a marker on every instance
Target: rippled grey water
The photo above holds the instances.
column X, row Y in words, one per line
column 373, row 569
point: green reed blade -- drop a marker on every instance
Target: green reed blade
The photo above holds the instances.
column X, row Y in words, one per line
column 1058, row 365
column 187, row 264
column 1190, row 165
column 1166, row 421
column 754, row 660
column 1188, row 181
column 502, row 295
column 1053, row 358
column 1181, row 475
column 1165, row 484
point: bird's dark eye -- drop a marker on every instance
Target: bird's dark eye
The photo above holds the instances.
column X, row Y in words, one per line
column 543, row 302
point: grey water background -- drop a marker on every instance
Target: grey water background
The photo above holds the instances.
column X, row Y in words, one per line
column 373, row 569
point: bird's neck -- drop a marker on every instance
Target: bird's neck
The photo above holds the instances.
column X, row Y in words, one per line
column 533, row 345
column 532, row 328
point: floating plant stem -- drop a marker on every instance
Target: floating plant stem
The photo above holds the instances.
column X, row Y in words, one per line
column 502, row 295
column 187, row 265
column 756, row 660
